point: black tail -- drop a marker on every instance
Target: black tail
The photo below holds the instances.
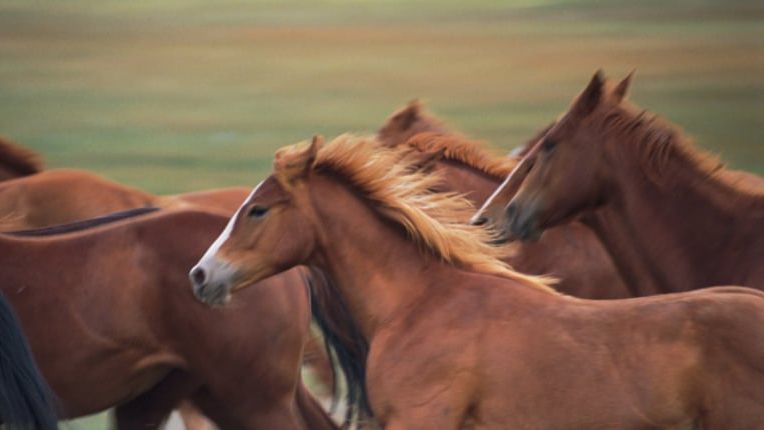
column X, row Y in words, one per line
column 344, row 343
column 26, row 402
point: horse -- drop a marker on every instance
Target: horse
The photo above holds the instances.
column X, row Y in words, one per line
column 110, row 300
column 671, row 216
column 457, row 339
column 570, row 253
column 26, row 402
column 408, row 121
column 17, row 161
column 62, row 196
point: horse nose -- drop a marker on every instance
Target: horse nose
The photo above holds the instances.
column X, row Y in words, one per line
column 479, row 220
column 198, row 276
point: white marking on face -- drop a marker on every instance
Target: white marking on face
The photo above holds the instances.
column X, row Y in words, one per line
column 215, row 247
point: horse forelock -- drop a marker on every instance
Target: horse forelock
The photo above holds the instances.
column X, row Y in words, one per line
column 400, row 191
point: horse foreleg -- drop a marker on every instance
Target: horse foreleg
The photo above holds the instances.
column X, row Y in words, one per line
column 151, row 409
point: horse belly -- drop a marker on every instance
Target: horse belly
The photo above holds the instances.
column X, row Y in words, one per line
column 85, row 388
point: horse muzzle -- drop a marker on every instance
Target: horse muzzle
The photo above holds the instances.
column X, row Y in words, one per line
column 522, row 223
column 211, row 281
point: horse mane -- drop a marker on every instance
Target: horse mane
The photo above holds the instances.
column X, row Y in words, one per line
column 658, row 144
column 401, row 192
column 473, row 153
column 407, row 122
column 83, row 224
column 21, row 160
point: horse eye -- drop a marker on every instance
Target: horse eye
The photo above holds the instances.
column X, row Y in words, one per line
column 257, row 211
column 548, row 144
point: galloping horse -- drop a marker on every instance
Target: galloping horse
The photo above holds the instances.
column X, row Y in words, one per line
column 570, row 253
column 25, row 399
column 671, row 216
column 17, row 161
column 459, row 340
column 114, row 301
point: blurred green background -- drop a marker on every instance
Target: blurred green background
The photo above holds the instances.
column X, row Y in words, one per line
column 185, row 95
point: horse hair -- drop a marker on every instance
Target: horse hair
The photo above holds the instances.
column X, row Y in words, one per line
column 83, row 224
column 26, row 402
column 344, row 344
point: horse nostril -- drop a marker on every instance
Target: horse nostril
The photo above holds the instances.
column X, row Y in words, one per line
column 479, row 220
column 198, row 276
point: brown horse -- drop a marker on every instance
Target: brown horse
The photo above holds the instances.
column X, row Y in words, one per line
column 459, row 340
column 62, row 196
column 671, row 216
column 408, row 121
column 17, row 161
column 570, row 253
column 113, row 302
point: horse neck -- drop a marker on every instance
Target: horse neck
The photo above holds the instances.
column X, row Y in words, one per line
column 671, row 235
column 377, row 270
column 476, row 185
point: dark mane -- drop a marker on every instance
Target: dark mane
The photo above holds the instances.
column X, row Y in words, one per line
column 84, row 224
column 19, row 159
column 657, row 144
column 344, row 343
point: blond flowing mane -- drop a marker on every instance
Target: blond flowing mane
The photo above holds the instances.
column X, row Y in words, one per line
column 473, row 153
column 399, row 191
column 658, row 143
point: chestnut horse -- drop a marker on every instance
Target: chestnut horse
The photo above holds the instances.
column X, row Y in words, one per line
column 671, row 216
column 113, row 302
column 63, row 196
column 17, row 161
column 570, row 253
column 25, row 399
column 458, row 339
column 407, row 122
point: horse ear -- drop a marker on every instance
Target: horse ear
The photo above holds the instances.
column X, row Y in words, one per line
column 293, row 163
column 622, row 88
column 408, row 115
column 400, row 123
column 310, row 154
column 590, row 97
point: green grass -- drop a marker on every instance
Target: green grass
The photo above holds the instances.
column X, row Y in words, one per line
column 185, row 95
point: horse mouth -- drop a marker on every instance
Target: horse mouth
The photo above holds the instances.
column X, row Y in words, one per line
column 524, row 228
column 213, row 294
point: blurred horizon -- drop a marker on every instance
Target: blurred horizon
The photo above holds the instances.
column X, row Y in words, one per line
column 178, row 96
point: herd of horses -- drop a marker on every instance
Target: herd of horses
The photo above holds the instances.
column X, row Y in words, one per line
column 609, row 279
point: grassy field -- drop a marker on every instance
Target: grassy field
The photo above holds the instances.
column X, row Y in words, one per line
column 185, row 95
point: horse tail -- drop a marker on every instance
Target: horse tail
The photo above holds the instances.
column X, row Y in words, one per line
column 314, row 416
column 345, row 344
column 26, row 402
